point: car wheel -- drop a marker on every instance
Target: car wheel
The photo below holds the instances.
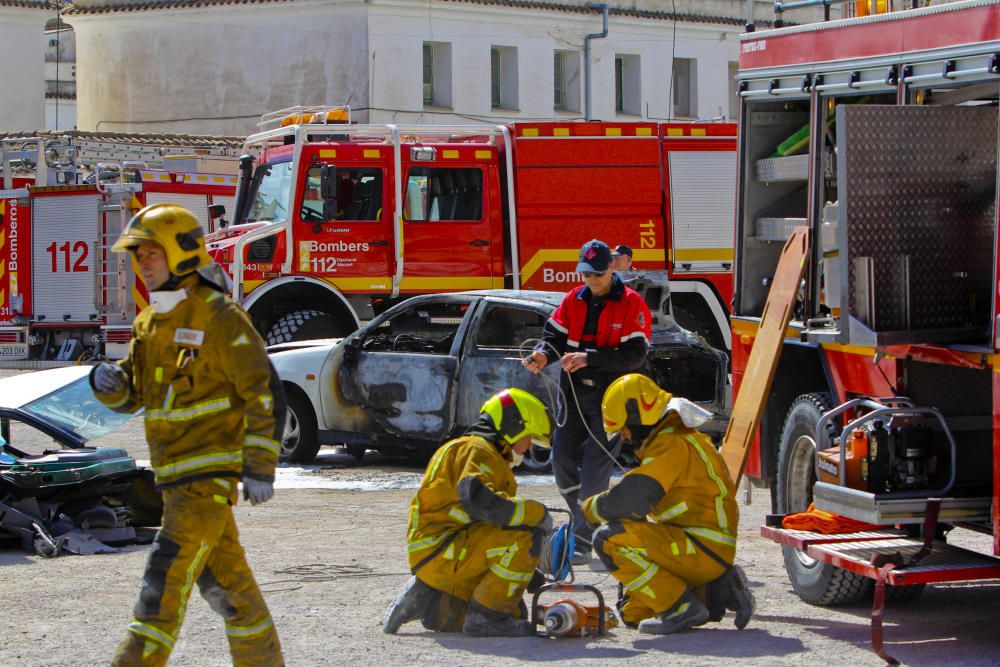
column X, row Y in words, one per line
column 301, row 325
column 815, row 582
column 300, row 439
column 537, row 459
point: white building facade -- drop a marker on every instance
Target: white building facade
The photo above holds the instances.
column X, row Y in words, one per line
column 22, row 64
column 214, row 66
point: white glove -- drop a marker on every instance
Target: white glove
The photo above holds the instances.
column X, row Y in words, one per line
column 108, row 378
column 257, row 491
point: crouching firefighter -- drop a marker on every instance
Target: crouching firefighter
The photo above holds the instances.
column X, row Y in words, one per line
column 668, row 530
column 198, row 367
column 472, row 543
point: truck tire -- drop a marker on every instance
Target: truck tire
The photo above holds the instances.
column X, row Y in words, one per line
column 815, row 582
column 300, row 440
column 537, row 459
column 301, row 325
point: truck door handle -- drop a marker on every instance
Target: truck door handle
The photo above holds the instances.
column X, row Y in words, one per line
column 382, row 242
column 479, row 242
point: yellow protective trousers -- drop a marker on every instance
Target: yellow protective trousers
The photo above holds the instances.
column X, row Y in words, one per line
column 656, row 563
column 486, row 563
column 198, row 542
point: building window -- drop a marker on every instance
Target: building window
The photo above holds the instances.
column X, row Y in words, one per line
column 503, row 77
column 684, row 85
column 437, row 74
column 734, row 95
column 628, row 85
column 566, row 81
column 558, row 81
column 428, row 73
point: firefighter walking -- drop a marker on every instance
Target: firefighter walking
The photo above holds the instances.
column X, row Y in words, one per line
column 669, row 527
column 600, row 331
column 199, row 369
column 472, row 543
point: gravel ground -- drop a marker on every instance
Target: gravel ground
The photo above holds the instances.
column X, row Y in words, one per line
column 330, row 560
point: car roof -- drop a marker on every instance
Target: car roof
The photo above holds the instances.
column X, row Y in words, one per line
column 549, row 298
column 21, row 389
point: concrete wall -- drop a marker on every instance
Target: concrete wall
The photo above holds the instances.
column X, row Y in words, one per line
column 400, row 27
column 22, row 68
column 215, row 70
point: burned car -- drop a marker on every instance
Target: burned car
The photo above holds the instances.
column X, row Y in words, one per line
column 57, row 493
column 418, row 373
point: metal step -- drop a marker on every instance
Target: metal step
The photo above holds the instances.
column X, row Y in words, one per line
column 854, row 552
column 871, row 508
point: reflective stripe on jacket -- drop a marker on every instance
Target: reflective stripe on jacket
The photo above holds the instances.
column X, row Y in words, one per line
column 682, row 481
column 467, row 480
column 202, row 375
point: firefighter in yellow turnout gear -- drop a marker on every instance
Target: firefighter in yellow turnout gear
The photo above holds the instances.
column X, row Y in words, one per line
column 669, row 527
column 472, row 543
column 199, row 369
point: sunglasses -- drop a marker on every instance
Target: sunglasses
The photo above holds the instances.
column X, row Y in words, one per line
column 592, row 274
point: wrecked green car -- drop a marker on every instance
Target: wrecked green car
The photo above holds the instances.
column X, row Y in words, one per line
column 57, row 494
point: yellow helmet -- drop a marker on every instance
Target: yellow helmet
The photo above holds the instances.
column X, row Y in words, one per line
column 633, row 400
column 516, row 413
column 173, row 227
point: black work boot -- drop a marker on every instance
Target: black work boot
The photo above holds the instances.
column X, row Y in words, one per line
column 730, row 591
column 483, row 622
column 415, row 600
column 686, row 613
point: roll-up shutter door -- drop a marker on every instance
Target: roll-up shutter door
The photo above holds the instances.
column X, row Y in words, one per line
column 703, row 204
column 62, row 245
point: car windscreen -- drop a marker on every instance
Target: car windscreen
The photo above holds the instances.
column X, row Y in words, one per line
column 74, row 408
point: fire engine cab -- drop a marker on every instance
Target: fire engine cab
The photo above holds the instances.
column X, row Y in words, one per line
column 64, row 199
column 337, row 221
column 878, row 135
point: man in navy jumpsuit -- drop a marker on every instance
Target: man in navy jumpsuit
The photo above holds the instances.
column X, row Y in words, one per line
column 600, row 332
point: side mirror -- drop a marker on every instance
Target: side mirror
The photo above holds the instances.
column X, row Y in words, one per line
column 215, row 212
column 328, row 181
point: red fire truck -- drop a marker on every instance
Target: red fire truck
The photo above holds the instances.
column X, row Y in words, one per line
column 879, row 135
column 62, row 293
column 337, row 221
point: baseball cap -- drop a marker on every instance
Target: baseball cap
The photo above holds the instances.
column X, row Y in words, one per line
column 595, row 257
column 622, row 250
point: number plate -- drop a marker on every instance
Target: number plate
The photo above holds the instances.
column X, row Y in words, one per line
column 13, row 350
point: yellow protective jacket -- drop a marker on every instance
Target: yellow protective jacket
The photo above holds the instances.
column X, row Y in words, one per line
column 202, row 375
column 682, row 481
column 467, row 480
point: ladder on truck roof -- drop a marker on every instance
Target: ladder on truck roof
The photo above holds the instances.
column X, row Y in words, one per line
column 73, row 150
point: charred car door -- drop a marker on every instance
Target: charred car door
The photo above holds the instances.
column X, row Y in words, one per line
column 491, row 360
column 402, row 368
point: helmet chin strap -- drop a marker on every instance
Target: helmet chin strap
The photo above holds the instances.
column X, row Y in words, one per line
column 171, row 283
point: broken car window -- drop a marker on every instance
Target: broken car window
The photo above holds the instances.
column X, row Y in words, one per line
column 427, row 328
column 507, row 327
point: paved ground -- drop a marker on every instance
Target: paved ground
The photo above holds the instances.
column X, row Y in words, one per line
column 330, row 560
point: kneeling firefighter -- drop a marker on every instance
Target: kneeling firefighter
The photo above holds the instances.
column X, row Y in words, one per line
column 669, row 527
column 472, row 543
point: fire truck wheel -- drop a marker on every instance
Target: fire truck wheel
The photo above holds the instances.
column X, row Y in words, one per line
column 301, row 325
column 537, row 459
column 815, row 582
column 300, row 441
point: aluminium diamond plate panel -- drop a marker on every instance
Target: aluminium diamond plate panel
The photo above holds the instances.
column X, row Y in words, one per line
column 918, row 209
